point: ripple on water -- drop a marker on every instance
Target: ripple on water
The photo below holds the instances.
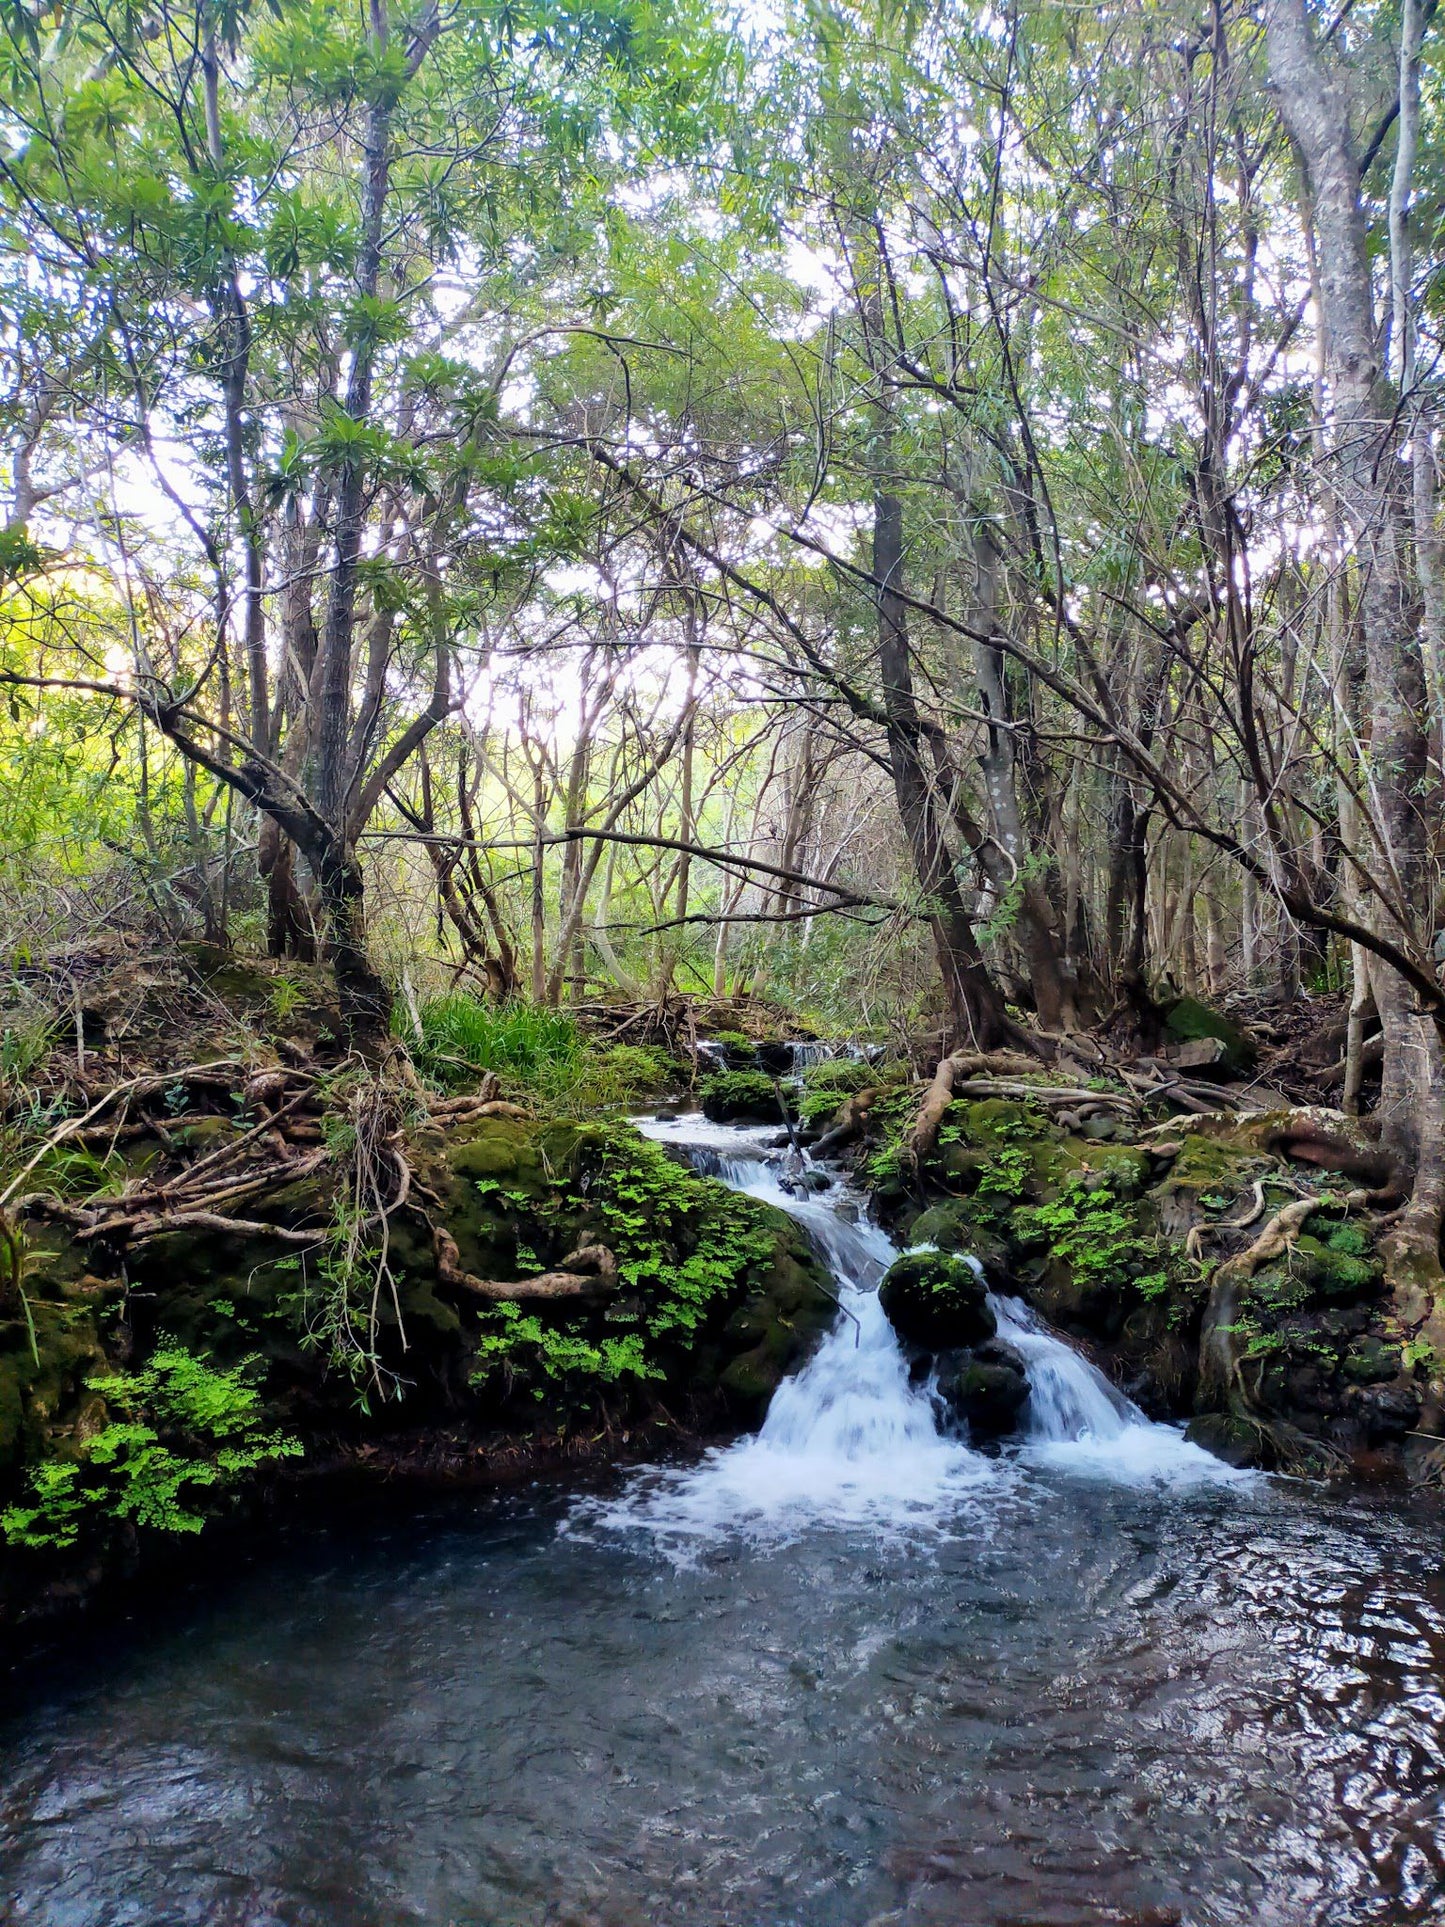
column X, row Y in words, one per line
column 1102, row 1704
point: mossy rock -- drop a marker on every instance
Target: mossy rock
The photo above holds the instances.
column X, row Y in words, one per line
column 841, row 1075
column 37, row 1394
column 1371, row 1362
column 1234, row 1440
column 1331, row 1273
column 733, row 1097
column 1204, row 1167
column 936, row 1301
column 987, row 1388
column 1187, row 1020
column 960, row 1227
column 985, row 1122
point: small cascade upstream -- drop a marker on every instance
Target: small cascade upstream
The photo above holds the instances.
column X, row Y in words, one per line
column 850, row 1439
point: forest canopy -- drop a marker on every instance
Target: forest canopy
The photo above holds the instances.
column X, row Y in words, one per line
column 926, row 515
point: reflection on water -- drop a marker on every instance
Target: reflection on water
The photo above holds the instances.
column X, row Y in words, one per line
column 1117, row 1705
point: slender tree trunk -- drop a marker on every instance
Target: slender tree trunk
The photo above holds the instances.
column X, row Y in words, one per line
column 975, row 1005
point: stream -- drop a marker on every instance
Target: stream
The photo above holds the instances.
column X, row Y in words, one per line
column 847, row 1672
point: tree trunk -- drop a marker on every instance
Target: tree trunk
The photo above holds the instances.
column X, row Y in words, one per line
column 1374, row 498
column 975, row 1004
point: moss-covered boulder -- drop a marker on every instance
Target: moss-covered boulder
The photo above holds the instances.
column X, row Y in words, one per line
column 965, row 1228
column 1188, row 1021
column 936, row 1301
column 1232, row 1439
column 742, row 1097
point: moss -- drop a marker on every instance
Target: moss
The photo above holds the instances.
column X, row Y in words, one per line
column 965, row 1226
column 38, row 1394
column 936, row 1300
column 1188, row 1021
column 731, row 1096
column 1232, row 1439
column 840, row 1076
column 986, row 1121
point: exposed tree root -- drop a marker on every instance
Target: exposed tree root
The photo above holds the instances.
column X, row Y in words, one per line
column 849, row 1121
column 588, row 1272
column 991, row 1074
column 1223, row 1373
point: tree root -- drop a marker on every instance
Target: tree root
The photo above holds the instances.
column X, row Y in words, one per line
column 991, row 1074
column 588, row 1272
column 1222, row 1364
column 849, row 1121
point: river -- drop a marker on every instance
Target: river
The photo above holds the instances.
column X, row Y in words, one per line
column 845, row 1673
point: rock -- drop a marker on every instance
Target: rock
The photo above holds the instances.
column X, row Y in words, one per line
column 1371, row 1362
column 1099, row 1129
column 1388, row 1412
column 936, row 1301
column 1188, row 1021
column 1200, row 1054
column 733, row 1097
column 987, row 1388
column 958, row 1226
column 1229, row 1438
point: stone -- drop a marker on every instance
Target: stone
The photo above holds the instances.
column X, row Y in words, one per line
column 1371, row 1362
column 987, row 1388
column 936, row 1301
column 1229, row 1438
column 1188, row 1021
column 1200, row 1054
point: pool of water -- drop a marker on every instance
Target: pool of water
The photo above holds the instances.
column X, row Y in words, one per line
column 846, row 1674
column 1098, row 1704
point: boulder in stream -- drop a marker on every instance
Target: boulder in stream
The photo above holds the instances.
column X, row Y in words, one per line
column 937, row 1301
column 987, row 1387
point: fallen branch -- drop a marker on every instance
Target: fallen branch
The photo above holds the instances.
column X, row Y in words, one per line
column 131, row 1087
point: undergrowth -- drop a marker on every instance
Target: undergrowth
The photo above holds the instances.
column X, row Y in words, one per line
column 536, row 1052
column 1097, row 1236
column 180, row 1433
column 682, row 1245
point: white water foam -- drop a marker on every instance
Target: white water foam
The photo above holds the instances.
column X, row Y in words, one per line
column 850, row 1440
column 1077, row 1421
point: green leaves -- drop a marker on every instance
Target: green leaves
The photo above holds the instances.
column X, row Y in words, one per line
column 182, row 1433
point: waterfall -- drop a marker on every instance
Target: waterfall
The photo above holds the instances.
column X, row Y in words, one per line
column 850, row 1439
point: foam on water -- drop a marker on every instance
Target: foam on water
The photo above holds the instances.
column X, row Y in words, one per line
column 850, row 1440
column 1077, row 1421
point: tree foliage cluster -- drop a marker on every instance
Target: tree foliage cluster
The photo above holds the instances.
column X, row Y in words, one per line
column 927, row 511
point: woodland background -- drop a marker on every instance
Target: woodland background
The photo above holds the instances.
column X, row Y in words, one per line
column 923, row 515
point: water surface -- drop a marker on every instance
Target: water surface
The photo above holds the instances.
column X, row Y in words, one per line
column 845, row 1674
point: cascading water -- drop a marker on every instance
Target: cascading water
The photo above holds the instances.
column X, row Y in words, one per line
column 850, row 1438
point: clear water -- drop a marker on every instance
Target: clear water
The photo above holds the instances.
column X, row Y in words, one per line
column 846, row 1674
